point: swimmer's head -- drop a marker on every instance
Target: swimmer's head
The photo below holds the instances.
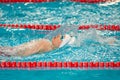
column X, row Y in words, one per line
column 57, row 40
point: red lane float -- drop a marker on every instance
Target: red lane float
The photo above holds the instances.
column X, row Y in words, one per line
column 31, row 26
column 101, row 27
column 59, row 65
column 89, row 1
column 53, row 27
column 33, row 1
column 36, row 1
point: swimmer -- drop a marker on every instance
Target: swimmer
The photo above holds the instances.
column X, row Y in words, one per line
column 32, row 47
column 39, row 46
column 35, row 46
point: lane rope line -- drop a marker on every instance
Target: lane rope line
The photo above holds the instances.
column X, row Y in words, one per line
column 89, row 1
column 17, row 65
column 24, row 1
column 54, row 27
column 39, row 1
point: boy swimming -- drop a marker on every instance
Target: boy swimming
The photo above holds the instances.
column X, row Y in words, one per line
column 32, row 47
column 43, row 45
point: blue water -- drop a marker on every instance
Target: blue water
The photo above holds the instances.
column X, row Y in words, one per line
column 60, row 74
column 60, row 13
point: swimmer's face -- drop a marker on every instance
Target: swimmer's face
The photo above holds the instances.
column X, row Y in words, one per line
column 56, row 41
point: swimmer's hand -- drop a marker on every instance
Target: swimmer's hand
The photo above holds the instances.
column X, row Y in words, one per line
column 110, row 41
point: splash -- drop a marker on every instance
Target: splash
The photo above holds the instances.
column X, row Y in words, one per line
column 110, row 3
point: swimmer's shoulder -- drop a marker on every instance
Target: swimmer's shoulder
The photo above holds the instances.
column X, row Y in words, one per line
column 40, row 40
column 45, row 40
column 46, row 45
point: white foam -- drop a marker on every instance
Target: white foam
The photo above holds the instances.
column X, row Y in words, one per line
column 109, row 3
column 72, row 41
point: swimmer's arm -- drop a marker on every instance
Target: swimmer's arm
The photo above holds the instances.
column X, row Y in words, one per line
column 33, row 47
column 108, row 40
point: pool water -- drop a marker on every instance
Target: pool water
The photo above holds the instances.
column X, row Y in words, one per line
column 60, row 74
column 60, row 13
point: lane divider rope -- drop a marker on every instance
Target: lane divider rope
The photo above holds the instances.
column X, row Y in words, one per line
column 59, row 65
column 89, row 1
column 24, row 1
column 38, row 1
column 54, row 27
